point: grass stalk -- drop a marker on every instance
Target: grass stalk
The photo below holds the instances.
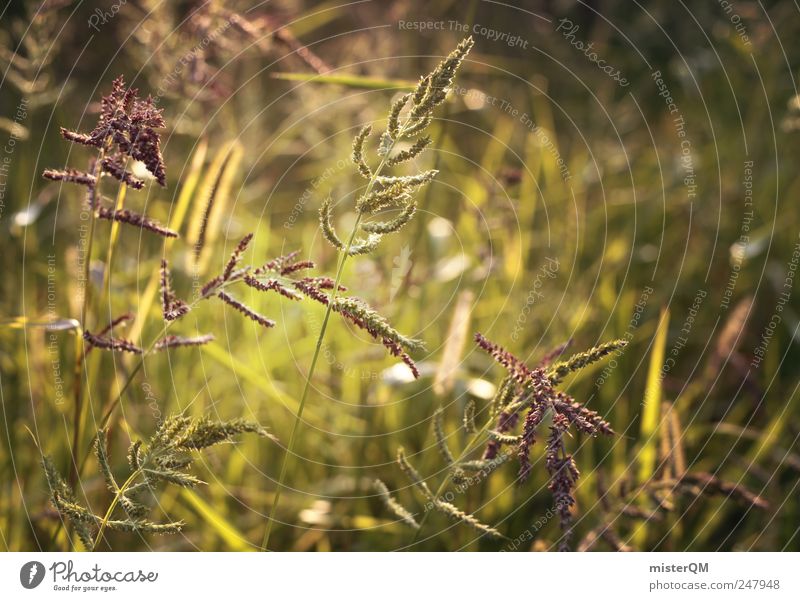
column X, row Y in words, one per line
column 77, row 416
column 93, row 367
column 113, row 505
column 109, row 408
column 439, row 491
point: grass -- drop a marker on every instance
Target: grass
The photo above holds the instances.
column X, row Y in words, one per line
column 497, row 209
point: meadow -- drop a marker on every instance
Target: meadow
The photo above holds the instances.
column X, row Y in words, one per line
column 266, row 285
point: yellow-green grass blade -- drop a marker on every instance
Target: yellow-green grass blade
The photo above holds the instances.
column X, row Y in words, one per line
column 230, row 535
column 648, row 451
column 256, row 378
column 175, row 224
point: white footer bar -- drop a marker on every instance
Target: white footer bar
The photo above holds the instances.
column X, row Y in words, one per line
column 399, row 576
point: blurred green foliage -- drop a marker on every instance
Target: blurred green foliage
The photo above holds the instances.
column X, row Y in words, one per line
column 543, row 159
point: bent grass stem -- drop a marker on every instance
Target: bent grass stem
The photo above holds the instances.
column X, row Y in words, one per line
column 116, row 401
column 93, row 366
column 315, row 358
column 467, row 450
column 113, row 506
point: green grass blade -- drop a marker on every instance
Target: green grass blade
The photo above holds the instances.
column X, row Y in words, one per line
column 648, row 451
column 232, row 537
column 350, row 81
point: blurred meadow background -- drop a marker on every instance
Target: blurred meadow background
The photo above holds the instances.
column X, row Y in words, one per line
column 644, row 188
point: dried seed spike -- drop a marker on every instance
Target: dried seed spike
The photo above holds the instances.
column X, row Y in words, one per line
column 325, row 220
column 128, row 123
column 467, row 518
column 362, row 316
column 275, row 265
column 100, row 443
column 504, row 395
column 74, row 511
column 563, row 477
column 397, row 351
column 133, row 509
column 325, row 283
column 504, row 439
column 516, row 368
column 485, row 466
column 178, row 310
column 392, row 226
column 412, row 474
column 146, row 149
column 172, row 307
column 78, row 138
column 137, row 525
column 441, row 439
column 421, row 90
column 133, row 455
column 171, row 428
column 394, row 506
column 408, row 180
column 73, row 176
column 298, row 266
column 363, row 247
column 212, row 196
column 111, row 344
column 173, row 341
column 312, row 290
column 203, row 432
column 54, row 479
column 358, row 247
column 136, row 220
column 124, row 112
column 110, row 327
column 172, row 476
column 358, row 152
column 439, row 81
column 396, row 194
column 586, row 420
column 475, row 465
column 61, row 492
column 419, row 126
column 174, row 462
column 116, row 169
column 245, row 310
column 406, row 155
column 271, row 284
column 706, row 483
column 506, row 421
column 210, row 286
column 167, row 295
column 579, row 360
column 469, row 418
column 394, row 116
column 554, row 354
column 532, row 421
column 385, row 145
